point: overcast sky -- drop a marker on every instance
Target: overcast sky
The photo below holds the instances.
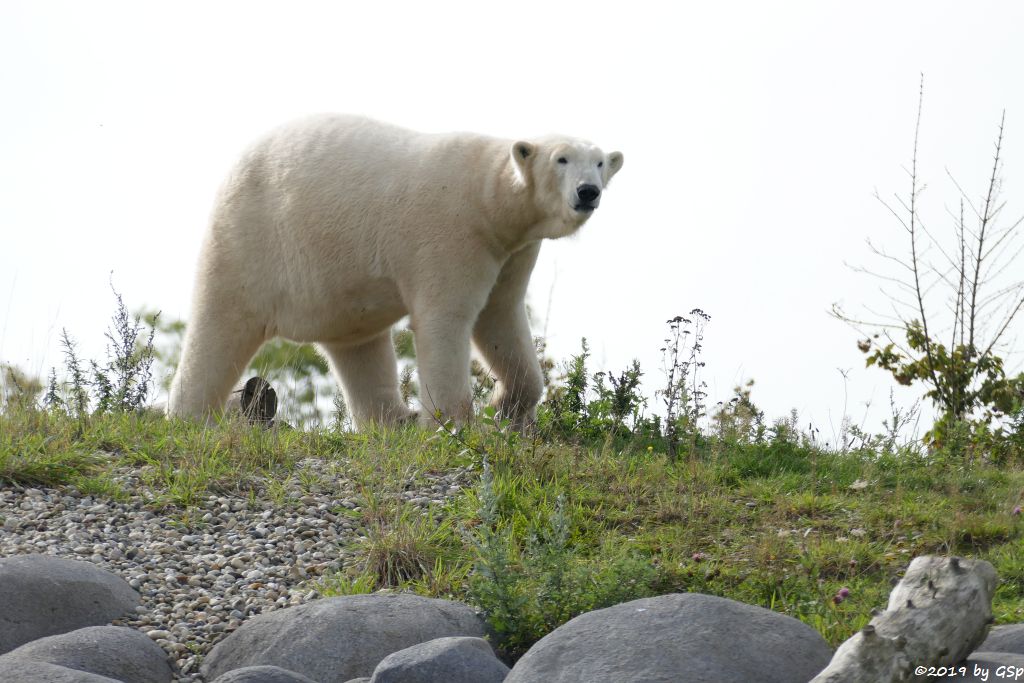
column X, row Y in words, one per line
column 755, row 135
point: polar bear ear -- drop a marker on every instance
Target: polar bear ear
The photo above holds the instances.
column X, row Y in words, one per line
column 522, row 153
column 614, row 164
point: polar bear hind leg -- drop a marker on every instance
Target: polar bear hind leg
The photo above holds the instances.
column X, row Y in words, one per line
column 219, row 344
column 368, row 373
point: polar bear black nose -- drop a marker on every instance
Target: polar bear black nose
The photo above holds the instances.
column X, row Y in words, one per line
column 588, row 193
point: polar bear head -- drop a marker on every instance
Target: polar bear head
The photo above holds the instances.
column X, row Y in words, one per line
column 565, row 178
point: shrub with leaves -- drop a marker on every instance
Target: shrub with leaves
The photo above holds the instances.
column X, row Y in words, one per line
column 528, row 585
column 971, row 388
column 119, row 385
column 123, row 383
column 953, row 310
column 584, row 408
column 564, row 411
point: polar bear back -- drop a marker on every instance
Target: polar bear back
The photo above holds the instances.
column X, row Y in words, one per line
column 337, row 178
column 333, row 211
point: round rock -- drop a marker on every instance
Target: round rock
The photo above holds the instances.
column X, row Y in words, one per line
column 41, row 672
column 116, row 652
column 1008, row 638
column 262, row 674
column 333, row 640
column 442, row 660
column 684, row 636
column 44, row 595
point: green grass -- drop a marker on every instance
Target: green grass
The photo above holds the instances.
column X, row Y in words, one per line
column 560, row 528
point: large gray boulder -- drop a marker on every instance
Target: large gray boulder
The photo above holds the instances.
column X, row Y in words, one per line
column 681, row 637
column 1008, row 638
column 41, row 672
column 989, row 667
column 262, row 674
column 442, row 660
column 337, row 639
column 116, row 652
column 42, row 595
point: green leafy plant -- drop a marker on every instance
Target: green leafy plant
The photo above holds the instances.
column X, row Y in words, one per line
column 121, row 384
column 564, row 411
column 603, row 406
column 529, row 583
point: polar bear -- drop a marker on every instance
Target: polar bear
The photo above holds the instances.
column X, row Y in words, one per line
column 333, row 228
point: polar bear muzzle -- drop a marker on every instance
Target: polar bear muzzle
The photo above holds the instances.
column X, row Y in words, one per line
column 589, row 197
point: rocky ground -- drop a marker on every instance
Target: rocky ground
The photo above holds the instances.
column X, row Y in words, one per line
column 202, row 572
column 230, row 588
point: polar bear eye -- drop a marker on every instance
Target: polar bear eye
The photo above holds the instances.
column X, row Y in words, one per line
column 563, row 160
column 600, row 164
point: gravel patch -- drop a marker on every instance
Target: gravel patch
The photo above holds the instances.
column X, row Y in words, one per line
column 201, row 572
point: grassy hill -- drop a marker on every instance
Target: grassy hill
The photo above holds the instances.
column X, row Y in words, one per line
column 544, row 527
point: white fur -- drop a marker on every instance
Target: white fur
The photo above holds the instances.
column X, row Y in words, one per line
column 332, row 228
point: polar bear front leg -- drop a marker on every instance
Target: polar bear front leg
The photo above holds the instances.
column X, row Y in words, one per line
column 368, row 373
column 504, row 340
column 442, row 354
column 502, row 335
